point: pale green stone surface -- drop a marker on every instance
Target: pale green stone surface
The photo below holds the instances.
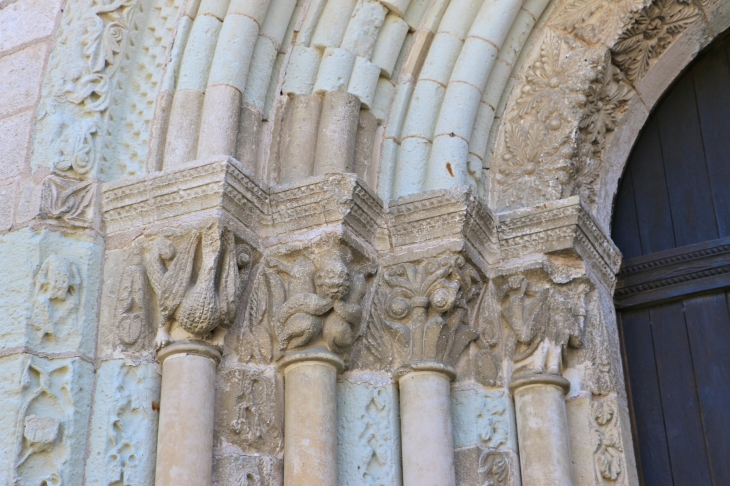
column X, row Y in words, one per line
column 123, row 437
column 483, row 417
column 368, row 434
column 44, row 413
column 48, row 300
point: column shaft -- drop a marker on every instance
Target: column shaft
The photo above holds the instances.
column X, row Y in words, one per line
column 542, row 431
column 310, row 424
column 426, row 429
column 187, row 407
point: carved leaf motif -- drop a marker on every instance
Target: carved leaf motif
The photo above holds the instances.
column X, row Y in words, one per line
column 597, row 20
column 169, row 271
column 67, row 199
column 653, row 29
column 494, row 468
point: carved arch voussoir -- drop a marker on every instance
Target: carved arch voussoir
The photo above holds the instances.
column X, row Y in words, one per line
column 586, row 86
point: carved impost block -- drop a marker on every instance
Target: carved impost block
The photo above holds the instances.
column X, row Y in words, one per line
column 332, row 202
column 217, row 187
column 456, row 218
column 557, row 227
column 306, row 297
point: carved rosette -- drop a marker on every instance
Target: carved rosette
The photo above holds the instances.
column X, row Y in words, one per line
column 306, row 299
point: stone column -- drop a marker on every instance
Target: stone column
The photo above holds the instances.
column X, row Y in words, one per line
column 426, row 429
column 187, row 409
column 542, row 430
column 310, row 417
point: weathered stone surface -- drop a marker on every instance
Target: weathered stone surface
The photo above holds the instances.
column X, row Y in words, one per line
column 50, row 299
column 14, row 143
column 236, row 470
column 44, row 412
column 368, row 438
column 21, row 80
column 7, row 205
column 122, row 441
column 250, row 414
column 27, row 20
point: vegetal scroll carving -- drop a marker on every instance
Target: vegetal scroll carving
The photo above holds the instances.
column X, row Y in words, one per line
column 313, row 300
column 56, row 298
column 495, row 468
column 608, row 454
column 597, row 20
column 202, row 299
column 421, row 312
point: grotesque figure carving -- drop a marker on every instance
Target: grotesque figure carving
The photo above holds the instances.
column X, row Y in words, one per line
column 201, row 300
column 543, row 321
column 313, row 301
column 56, row 296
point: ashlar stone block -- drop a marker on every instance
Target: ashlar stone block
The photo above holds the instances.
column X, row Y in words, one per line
column 368, row 433
column 49, row 299
column 44, row 415
column 123, row 437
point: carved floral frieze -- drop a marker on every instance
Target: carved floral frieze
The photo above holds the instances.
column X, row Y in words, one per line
column 608, row 454
column 77, row 93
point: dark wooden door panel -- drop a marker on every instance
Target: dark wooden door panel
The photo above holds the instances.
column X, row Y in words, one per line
column 672, row 224
column 682, row 419
column 708, row 327
column 711, row 78
column 651, row 443
column 653, row 211
column 690, row 195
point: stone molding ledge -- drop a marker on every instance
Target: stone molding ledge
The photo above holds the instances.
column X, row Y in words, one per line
column 447, row 219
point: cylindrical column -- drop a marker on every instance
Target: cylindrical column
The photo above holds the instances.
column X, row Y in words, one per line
column 187, row 407
column 310, row 418
column 542, row 430
column 426, row 429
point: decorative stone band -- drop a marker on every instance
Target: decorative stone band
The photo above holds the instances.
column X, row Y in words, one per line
column 539, row 379
column 425, row 366
column 193, row 348
column 220, row 185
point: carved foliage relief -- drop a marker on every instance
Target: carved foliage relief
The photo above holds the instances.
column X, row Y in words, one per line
column 574, row 91
column 306, row 298
column 608, row 453
column 421, row 312
column 47, row 448
column 78, row 90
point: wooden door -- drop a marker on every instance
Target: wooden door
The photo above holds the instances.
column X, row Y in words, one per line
column 672, row 224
